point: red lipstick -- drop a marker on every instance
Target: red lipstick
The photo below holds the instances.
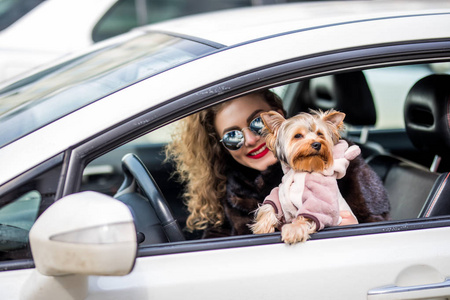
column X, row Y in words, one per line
column 260, row 154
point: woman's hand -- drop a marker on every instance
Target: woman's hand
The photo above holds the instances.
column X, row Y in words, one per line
column 347, row 218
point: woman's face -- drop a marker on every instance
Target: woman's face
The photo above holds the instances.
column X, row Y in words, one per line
column 236, row 115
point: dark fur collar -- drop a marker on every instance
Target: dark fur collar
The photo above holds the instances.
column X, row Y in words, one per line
column 246, row 187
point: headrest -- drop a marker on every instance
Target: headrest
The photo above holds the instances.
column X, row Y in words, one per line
column 346, row 92
column 427, row 114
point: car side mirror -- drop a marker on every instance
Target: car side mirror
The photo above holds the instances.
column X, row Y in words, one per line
column 82, row 234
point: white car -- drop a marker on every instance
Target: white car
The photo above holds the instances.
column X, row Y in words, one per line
column 67, row 132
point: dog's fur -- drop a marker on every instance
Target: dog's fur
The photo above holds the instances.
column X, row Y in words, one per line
column 305, row 144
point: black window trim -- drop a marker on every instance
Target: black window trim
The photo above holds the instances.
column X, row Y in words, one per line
column 275, row 238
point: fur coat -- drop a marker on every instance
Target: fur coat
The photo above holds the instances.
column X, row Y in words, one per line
column 247, row 188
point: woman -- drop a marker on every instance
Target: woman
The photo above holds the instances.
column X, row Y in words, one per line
column 228, row 170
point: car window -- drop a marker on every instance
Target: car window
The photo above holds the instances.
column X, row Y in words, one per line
column 51, row 95
column 20, row 208
column 22, row 212
column 388, row 88
column 127, row 14
column 16, row 219
column 105, row 173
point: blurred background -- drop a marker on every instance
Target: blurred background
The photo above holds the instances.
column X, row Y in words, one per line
column 34, row 32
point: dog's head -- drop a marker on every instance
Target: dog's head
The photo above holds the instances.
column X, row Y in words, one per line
column 304, row 142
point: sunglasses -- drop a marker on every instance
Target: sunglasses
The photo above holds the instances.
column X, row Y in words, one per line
column 234, row 139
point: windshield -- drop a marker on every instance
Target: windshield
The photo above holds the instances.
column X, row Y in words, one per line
column 46, row 96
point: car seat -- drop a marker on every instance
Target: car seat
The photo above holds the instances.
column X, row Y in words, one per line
column 346, row 92
column 427, row 123
column 415, row 191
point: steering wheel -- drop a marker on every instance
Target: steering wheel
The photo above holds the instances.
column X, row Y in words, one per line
column 135, row 172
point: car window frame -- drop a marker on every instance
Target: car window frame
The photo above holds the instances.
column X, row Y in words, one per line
column 282, row 73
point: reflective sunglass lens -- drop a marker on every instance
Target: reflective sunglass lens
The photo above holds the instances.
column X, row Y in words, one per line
column 233, row 140
column 257, row 125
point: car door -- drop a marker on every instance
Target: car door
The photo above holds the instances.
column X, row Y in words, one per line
column 390, row 263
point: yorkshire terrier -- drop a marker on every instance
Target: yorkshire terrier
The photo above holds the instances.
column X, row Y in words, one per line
column 313, row 157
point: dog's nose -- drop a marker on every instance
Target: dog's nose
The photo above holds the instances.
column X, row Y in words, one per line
column 316, row 146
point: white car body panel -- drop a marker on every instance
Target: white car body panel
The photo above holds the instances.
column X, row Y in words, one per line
column 12, row 282
column 227, row 273
column 52, row 140
column 241, row 273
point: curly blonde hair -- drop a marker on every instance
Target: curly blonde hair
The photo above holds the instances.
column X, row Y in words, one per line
column 201, row 162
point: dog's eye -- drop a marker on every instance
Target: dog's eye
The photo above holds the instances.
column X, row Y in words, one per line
column 298, row 136
column 319, row 133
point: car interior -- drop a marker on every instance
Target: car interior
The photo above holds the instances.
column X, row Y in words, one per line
column 409, row 155
column 424, row 105
column 398, row 115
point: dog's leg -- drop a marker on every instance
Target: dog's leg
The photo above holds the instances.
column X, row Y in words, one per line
column 298, row 231
column 265, row 221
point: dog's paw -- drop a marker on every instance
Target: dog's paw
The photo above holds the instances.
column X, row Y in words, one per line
column 297, row 231
column 266, row 220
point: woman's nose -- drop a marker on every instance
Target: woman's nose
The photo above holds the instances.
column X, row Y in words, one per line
column 250, row 137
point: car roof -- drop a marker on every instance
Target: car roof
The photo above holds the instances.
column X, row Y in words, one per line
column 236, row 26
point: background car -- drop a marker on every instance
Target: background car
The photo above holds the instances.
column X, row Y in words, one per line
column 33, row 33
column 11, row 11
column 68, row 132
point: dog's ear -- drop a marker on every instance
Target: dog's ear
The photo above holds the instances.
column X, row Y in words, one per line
column 336, row 121
column 272, row 120
column 334, row 117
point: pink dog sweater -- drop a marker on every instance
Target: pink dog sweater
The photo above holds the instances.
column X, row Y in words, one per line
column 313, row 195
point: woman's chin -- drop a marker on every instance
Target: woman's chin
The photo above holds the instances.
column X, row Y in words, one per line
column 262, row 163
